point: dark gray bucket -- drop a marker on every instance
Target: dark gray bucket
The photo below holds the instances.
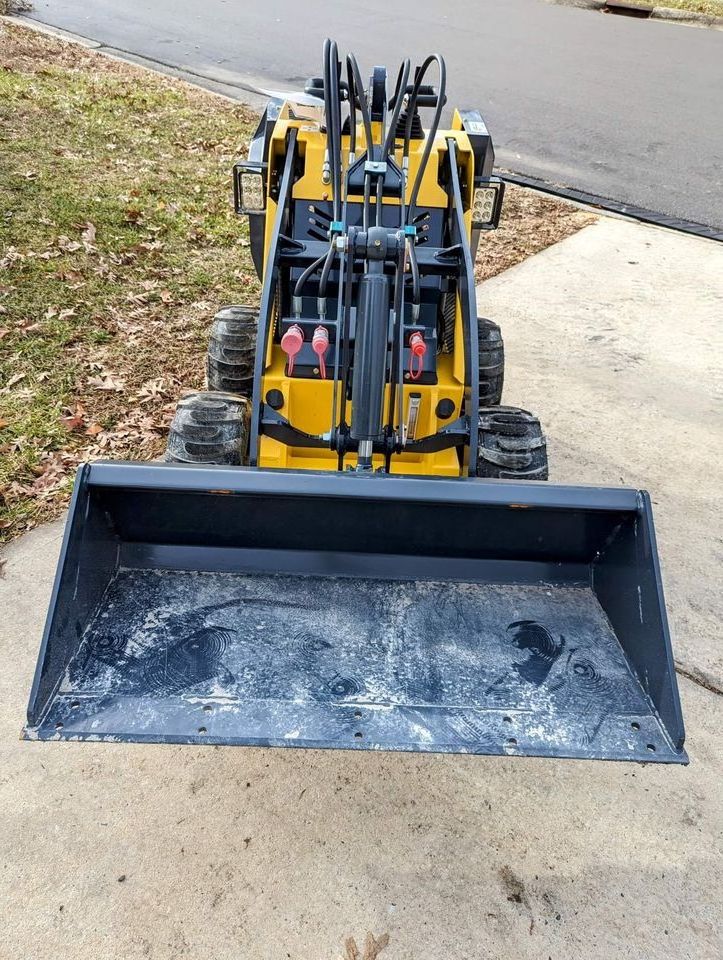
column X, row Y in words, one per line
column 240, row 606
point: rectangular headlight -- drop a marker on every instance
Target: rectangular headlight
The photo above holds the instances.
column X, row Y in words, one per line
column 487, row 202
column 249, row 187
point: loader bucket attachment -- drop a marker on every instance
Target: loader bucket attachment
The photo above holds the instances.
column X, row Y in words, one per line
column 241, row 606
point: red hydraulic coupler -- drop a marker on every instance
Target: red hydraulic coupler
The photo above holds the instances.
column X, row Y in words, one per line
column 417, row 351
column 320, row 344
column 291, row 344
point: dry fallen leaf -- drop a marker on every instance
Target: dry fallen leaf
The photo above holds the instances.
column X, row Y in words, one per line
column 69, row 276
column 93, row 430
column 74, row 419
column 152, row 390
column 16, row 379
column 372, row 947
column 70, row 246
column 88, row 232
column 106, row 382
column 51, row 474
column 141, row 298
column 73, row 423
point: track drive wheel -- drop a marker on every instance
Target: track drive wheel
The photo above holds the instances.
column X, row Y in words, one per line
column 231, row 350
column 512, row 445
column 491, row 363
column 209, row 427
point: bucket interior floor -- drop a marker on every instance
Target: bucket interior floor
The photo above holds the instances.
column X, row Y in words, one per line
column 389, row 664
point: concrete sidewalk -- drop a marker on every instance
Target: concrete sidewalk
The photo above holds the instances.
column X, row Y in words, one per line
column 615, row 339
column 128, row 851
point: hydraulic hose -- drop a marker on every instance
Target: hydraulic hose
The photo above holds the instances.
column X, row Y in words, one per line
column 327, row 103
column 332, row 110
column 411, row 108
column 359, row 88
column 326, row 270
column 398, row 98
column 336, row 114
column 312, row 268
column 352, row 109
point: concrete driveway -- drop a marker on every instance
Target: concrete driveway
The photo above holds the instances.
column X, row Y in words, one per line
column 128, row 851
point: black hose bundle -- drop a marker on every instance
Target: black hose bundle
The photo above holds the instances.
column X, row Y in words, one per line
column 357, row 96
column 411, row 110
column 400, row 90
column 352, row 109
column 332, row 109
column 359, row 92
column 332, row 112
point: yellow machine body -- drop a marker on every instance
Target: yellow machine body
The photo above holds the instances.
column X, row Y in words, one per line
column 307, row 402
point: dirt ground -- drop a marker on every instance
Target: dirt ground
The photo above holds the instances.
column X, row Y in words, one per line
column 531, row 222
column 166, row 852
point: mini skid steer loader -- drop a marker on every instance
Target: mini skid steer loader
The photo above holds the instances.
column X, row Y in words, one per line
column 349, row 544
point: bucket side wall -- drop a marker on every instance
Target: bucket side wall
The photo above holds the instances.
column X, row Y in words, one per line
column 87, row 563
column 627, row 581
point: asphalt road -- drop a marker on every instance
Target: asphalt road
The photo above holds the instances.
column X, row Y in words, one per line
column 626, row 109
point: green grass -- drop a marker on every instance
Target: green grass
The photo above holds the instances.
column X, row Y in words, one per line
column 117, row 244
column 15, row 6
column 713, row 8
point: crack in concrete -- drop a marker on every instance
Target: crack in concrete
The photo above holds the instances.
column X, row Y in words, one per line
column 699, row 677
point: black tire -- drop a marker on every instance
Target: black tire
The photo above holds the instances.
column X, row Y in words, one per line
column 209, row 427
column 512, row 445
column 491, row 363
column 232, row 349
